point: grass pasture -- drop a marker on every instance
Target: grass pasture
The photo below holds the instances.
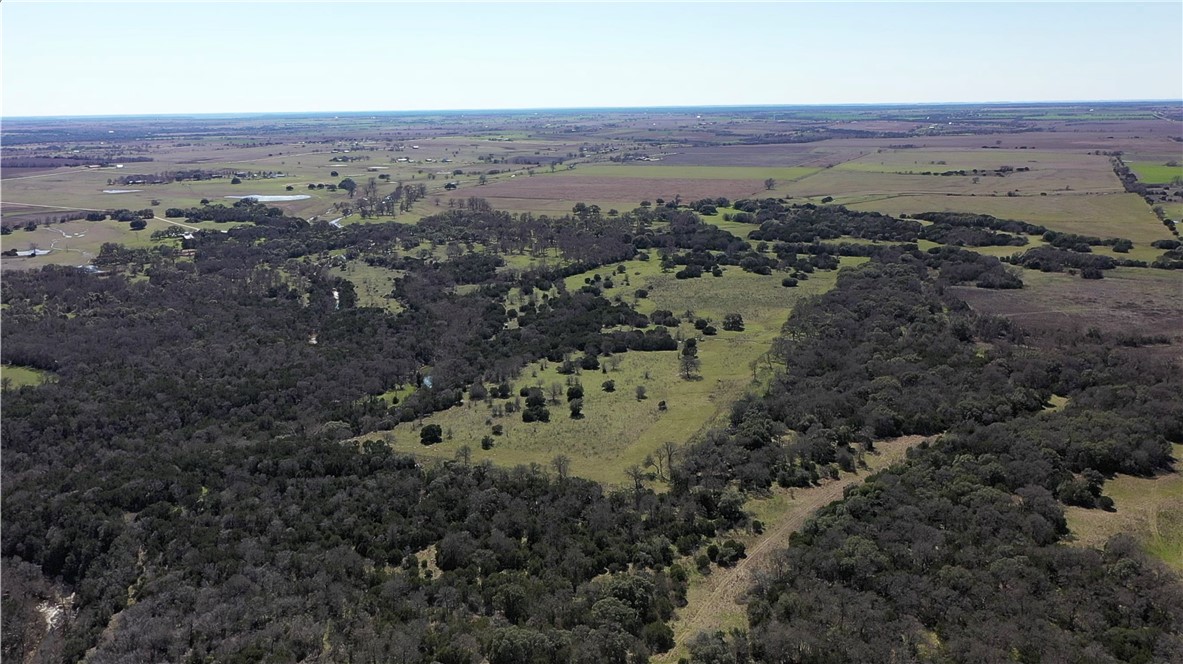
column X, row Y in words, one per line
column 1103, row 215
column 1048, row 171
column 617, row 429
column 1173, row 210
column 1153, row 172
column 1150, row 509
column 558, row 193
column 372, row 284
column 78, row 242
column 16, row 376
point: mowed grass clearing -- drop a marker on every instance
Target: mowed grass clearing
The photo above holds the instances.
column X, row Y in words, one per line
column 617, row 429
column 16, row 376
column 1150, row 509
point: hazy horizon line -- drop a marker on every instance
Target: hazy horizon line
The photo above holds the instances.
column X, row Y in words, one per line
column 526, row 109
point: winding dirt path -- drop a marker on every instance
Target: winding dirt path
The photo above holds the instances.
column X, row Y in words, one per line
column 718, row 598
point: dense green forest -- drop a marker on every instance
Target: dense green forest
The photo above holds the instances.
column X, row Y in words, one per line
column 182, row 476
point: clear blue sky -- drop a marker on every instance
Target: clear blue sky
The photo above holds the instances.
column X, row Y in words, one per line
column 168, row 57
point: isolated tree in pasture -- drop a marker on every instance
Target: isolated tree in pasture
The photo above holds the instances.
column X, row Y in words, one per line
column 733, row 323
column 667, row 453
column 688, row 366
column 769, row 183
column 662, row 461
column 574, row 392
column 431, row 434
column 562, row 466
column 535, row 410
column 370, row 190
column 348, row 185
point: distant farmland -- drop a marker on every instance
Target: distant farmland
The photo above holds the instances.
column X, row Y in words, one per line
column 603, row 190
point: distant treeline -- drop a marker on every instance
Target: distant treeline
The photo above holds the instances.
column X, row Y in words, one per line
column 58, row 162
column 165, row 177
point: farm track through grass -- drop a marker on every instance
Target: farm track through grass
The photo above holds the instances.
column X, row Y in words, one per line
column 716, row 602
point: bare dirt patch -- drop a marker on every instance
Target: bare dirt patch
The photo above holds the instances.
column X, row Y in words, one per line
column 1138, row 301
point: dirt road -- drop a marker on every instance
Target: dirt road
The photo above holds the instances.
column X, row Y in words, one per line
column 715, row 603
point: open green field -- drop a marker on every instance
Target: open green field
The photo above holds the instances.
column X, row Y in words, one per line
column 14, row 376
column 551, row 257
column 1152, row 172
column 78, row 242
column 372, row 284
column 736, row 228
column 1103, row 215
column 1173, row 210
column 617, row 429
column 1150, row 509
